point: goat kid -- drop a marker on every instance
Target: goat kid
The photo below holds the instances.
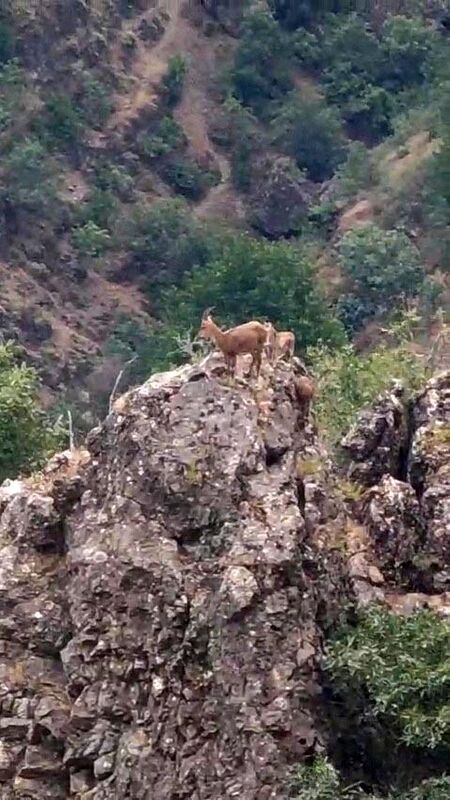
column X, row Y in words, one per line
column 279, row 344
column 304, row 392
column 247, row 338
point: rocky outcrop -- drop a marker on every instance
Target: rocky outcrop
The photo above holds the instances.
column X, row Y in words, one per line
column 402, row 452
column 163, row 599
column 280, row 197
column 375, row 444
column 164, row 594
column 228, row 13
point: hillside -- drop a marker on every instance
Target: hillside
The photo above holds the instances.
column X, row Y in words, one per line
column 137, row 137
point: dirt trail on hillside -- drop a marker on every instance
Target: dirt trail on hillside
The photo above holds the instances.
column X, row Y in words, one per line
column 196, row 108
column 149, row 64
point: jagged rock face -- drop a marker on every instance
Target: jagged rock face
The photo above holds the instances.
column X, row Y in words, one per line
column 228, row 12
column 163, row 597
column 280, row 197
column 162, row 609
column 429, row 473
column 407, row 521
column 394, row 521
column 376, row 443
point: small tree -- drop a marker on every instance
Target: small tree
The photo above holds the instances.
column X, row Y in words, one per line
column 261, row 70
column 383, row 265
column 278, row 282
column 90, row 240
column 26, row 436
column 174, row 80
column 165, row 241
column 311, row 132
column 30, row 176
column 407, row 44
column 400, row 668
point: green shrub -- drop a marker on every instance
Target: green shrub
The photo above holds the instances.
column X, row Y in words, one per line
column 407, row 44
column 241, row 135
column 188, row 178
column 30, row 177
column 356, row 173
column 321, row 781
column 63, row 120
column 174, row 80
column 95, row 102
column 348, row 382
column 99, row 208
column 90, row 240
column 318, row 781
column 7, row 43
column 366, row 107
column 261, row 70
column 165, row 241
column 312, row 134
column 383, row 265
column 169, row 137
column 279, row 282
column 399, row 666
column 114, row 178
column 12, row 87
column 26, row 436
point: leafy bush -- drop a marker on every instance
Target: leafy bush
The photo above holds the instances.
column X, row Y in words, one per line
column 114, row 178
column 348, row 382
column 6, row 41
column 261, row 70
column 407, row 44
column 90, row 240
column 188, row 178
column 383, row 265
column 174, row 80
column 437, row 183
column 312, row 134
column 95, row 101
column 321, row 781
column 169, row 136
column 400, row 667
column 366, row 107
column 279, row 282
column 355, row 173
column 318, row 781
column 99, row 208
column 63, row 121
column 165, row 241
column 12, row 89
column 30, row 177
column 239, row 132
column 26, row 436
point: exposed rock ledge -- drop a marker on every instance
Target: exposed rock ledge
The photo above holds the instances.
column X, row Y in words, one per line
column 163, row 595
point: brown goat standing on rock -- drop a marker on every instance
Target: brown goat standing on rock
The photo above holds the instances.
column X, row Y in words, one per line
column 247, row 338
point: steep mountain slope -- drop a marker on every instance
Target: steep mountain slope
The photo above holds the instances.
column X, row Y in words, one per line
column 112, row 113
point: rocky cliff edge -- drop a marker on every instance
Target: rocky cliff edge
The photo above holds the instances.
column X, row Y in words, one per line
column 164, row 594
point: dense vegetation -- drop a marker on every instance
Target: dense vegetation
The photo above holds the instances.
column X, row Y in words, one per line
column 27, row 437
column 390, row 676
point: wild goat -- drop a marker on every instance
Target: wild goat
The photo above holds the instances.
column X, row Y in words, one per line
column 247, row 338
column 304, row 392
column 279, row 343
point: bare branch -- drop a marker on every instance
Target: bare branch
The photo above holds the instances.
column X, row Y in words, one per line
column 71, row 436
column 117, row 381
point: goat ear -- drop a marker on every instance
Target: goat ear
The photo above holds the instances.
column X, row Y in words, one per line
column 207, row 312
